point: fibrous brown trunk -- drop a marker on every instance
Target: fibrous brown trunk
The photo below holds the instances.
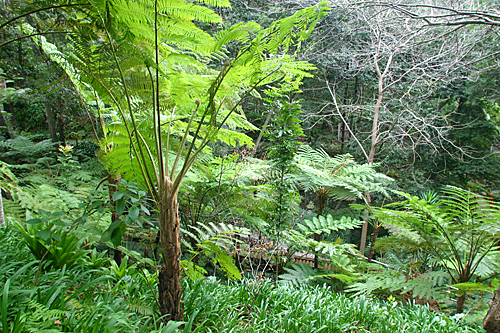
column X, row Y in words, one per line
column 460, row 303
column 491, row 322
column 169, row 281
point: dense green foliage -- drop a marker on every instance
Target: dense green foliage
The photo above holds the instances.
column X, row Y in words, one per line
column 238, row 143
column 98, row 296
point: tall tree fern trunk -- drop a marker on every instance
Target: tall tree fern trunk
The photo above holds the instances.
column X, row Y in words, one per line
column 460, row 303
column 491, row 322
column 169, row 284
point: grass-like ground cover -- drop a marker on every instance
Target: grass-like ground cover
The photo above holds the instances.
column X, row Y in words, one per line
column 93, row 297
column 267, row 307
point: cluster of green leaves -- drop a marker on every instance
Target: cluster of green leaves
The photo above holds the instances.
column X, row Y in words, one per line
column 81, row 298
column 128, row 202
column 283, row 133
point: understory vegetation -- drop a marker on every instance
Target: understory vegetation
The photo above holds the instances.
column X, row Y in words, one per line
column 95, row 295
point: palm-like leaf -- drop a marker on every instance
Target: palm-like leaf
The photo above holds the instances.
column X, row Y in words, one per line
column 461, row 231
column 339, row 177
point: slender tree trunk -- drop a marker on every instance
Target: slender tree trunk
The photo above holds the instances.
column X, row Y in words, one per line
column 169, row 282
column 460, row 303
column 112, row 188
column 322, row 197
column 259, row 138
column 491, row 322
column 374, row 142
column 51, row 122
column 2, row 216
column 371, row 251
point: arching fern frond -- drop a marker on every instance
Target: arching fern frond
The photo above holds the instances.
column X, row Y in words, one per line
column 328, row 224
column 340, row 177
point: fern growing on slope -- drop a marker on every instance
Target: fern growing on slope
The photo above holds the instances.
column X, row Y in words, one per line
column 460, row 232
column 338, row 177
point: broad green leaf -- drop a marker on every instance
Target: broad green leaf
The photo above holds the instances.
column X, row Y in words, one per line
column 120, row 206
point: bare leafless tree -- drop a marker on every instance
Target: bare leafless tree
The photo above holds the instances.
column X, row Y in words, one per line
column 406, row 55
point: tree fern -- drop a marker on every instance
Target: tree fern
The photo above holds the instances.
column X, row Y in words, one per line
column 340, row 177
column 460, row 231
column 181, row 85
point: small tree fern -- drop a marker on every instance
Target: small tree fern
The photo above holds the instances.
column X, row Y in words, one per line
column 460, row 230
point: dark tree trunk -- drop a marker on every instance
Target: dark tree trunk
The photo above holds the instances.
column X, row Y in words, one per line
column 491, row 322
column 169, row 282
column 51, row 121
column 322, row 197
column 460, row 303
column 371, row 251
column 60, row 124
column 112, row 188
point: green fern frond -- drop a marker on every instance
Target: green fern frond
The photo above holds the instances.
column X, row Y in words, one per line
column 220, row 234
column 298, row 275
column 340, row 176
column 322, row 224
column 43, row 313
